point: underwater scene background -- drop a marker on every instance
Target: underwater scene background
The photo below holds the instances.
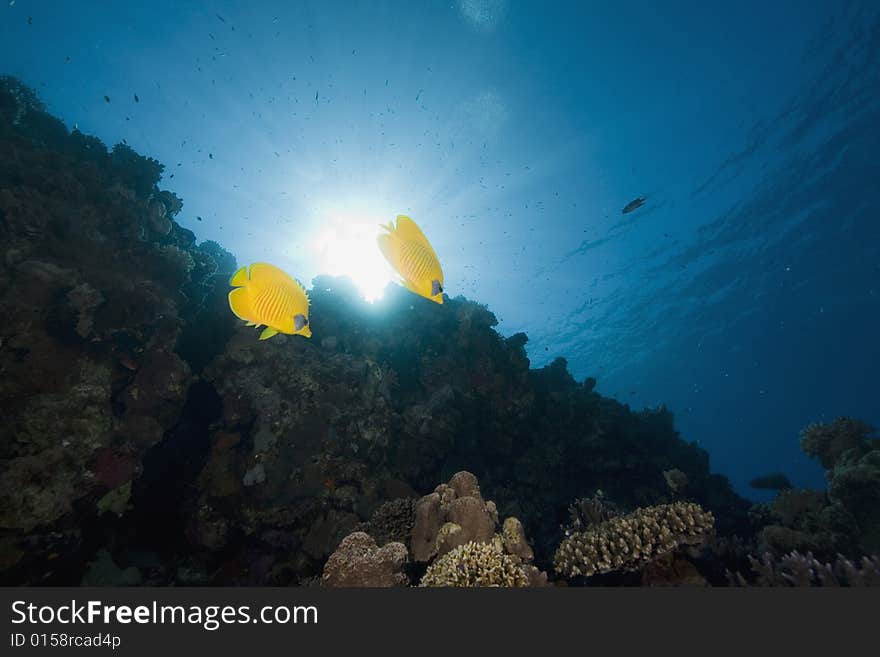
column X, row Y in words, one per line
column 655, row 363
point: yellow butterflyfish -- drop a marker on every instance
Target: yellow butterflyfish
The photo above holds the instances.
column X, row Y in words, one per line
column 407, row 249
column 266, row 295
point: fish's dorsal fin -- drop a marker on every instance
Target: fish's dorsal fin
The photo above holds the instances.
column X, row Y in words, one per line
column 263, row 273
column 239, row 278
column 302, row 288
column 386, row 246
column 409, row 229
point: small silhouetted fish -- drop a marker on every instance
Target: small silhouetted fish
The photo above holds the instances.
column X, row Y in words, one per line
column 30, row 20
column 67, row 59
column 222, row 20
column 198, row 218
column 106, row 99
column 316, row 96
column 211, row 155
column 634, row 205
column 125, row 142
column 171, row 176
column 136, row 99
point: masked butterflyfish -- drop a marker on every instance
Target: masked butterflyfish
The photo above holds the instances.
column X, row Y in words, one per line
column 266, row 295
column 407, row 249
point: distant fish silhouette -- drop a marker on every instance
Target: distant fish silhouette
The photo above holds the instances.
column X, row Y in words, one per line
column 635, row 204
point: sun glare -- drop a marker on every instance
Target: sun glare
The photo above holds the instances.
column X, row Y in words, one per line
column 347, row 247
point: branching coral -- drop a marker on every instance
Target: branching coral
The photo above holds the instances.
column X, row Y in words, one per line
column 628, row 542
column 585, row 512
column 803, row 570
column 475, row 564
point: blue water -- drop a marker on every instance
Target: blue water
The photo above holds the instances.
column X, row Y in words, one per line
column 744, row 294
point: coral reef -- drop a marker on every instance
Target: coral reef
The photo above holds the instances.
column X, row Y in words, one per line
column 392, row 521
column 806, row 520
column 144, row 428
column 829, row 442
column 804, row 570
column 475, row 564
column 359, row 562
column 94, row 303
column 585, row 512
column 845, row 518
column 672, row 570
column 676, row 480
column 629, row 542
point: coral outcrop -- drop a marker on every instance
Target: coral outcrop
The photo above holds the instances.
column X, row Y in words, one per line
column 629, row 542
column 845, row 518
column 94, row 300
column 454, row 514
column 829, row 442
column 359, row 562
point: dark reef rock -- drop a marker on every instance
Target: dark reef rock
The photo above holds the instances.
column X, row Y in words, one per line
column 149, row 436
column 93, row 306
